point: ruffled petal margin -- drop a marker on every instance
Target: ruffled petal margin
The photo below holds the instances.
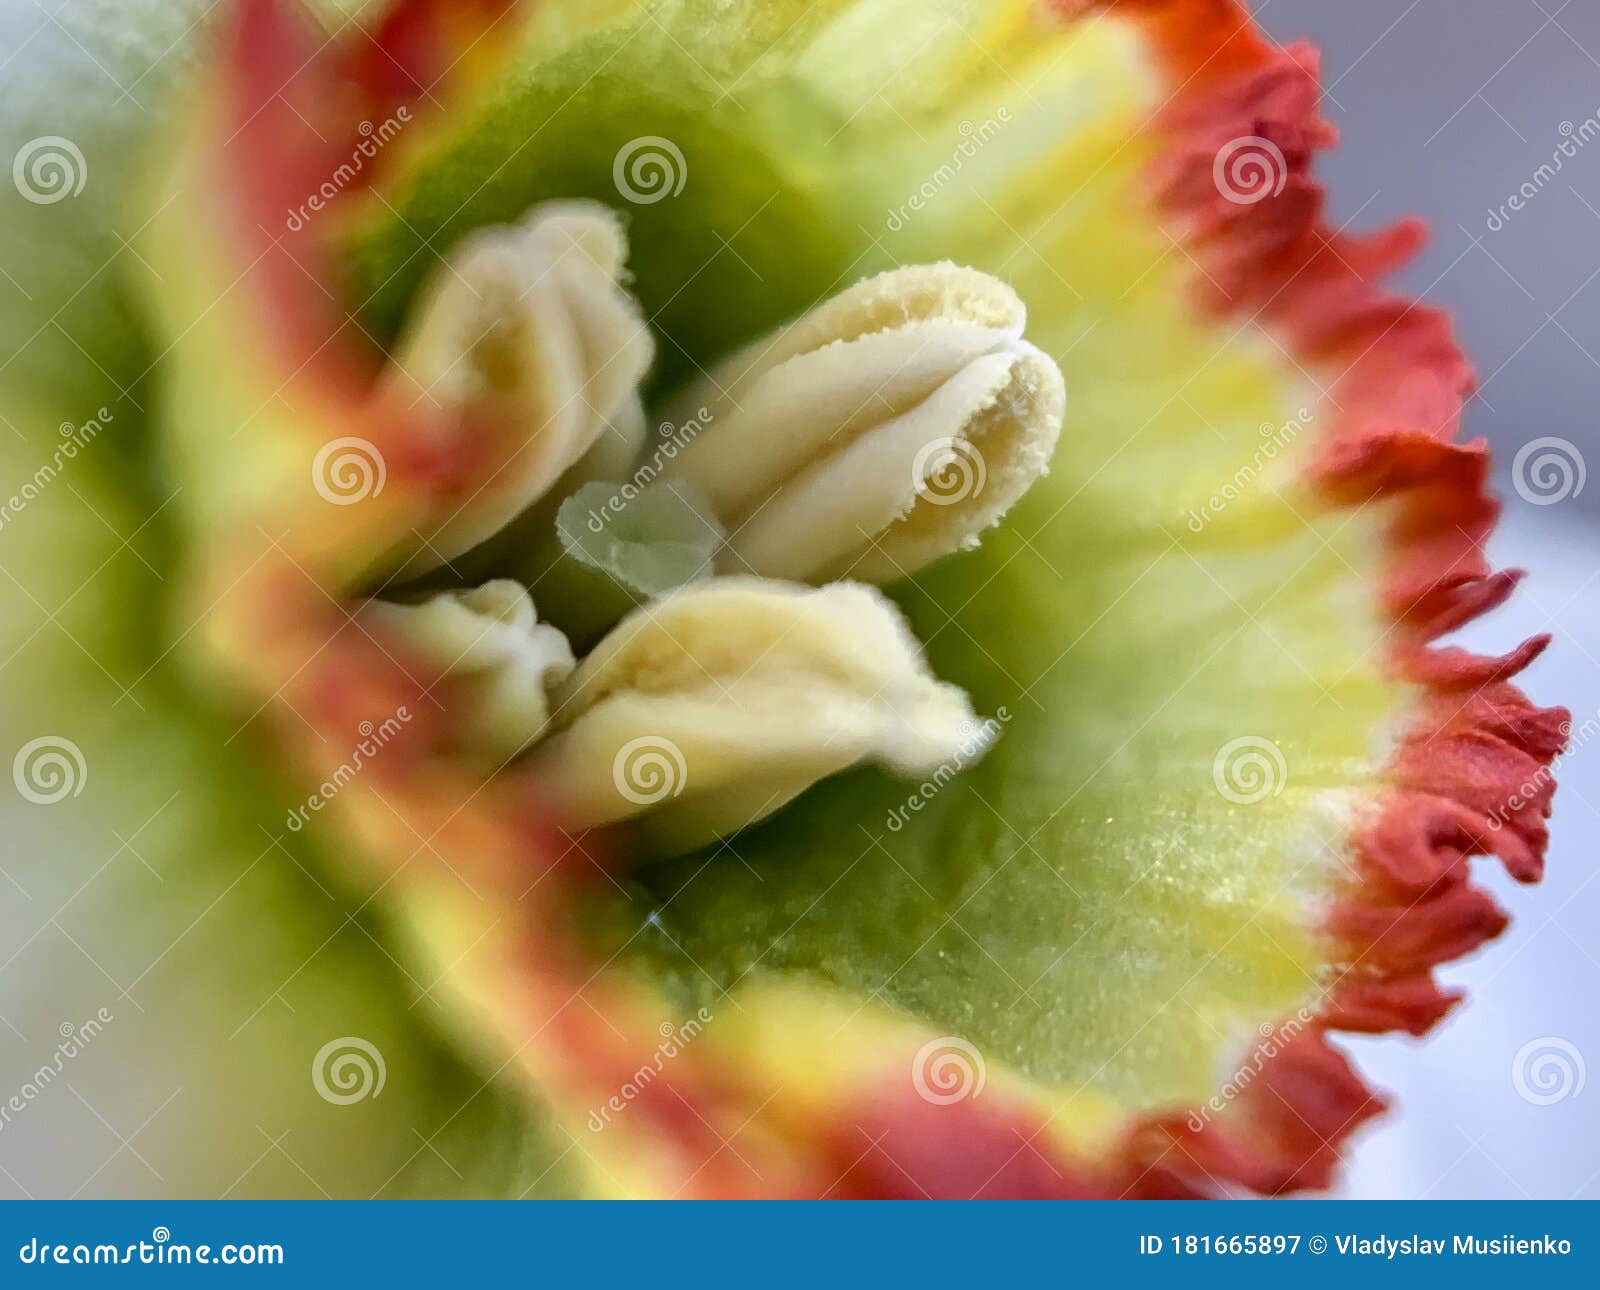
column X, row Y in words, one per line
column 1469, row 775
column 1471, row 772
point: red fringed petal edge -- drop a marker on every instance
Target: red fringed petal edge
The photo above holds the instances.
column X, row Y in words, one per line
column 1471, row 773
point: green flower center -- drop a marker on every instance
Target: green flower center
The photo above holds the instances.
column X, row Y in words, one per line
column 711, row 571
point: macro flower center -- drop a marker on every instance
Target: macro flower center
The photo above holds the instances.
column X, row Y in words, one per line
column 686, row 626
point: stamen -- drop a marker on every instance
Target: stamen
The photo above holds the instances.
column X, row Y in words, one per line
column 529, row 333
column 885, row 429
column 489, row 638
column 715, row 705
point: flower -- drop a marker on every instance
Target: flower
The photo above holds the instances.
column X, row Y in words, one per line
column 397, row 287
